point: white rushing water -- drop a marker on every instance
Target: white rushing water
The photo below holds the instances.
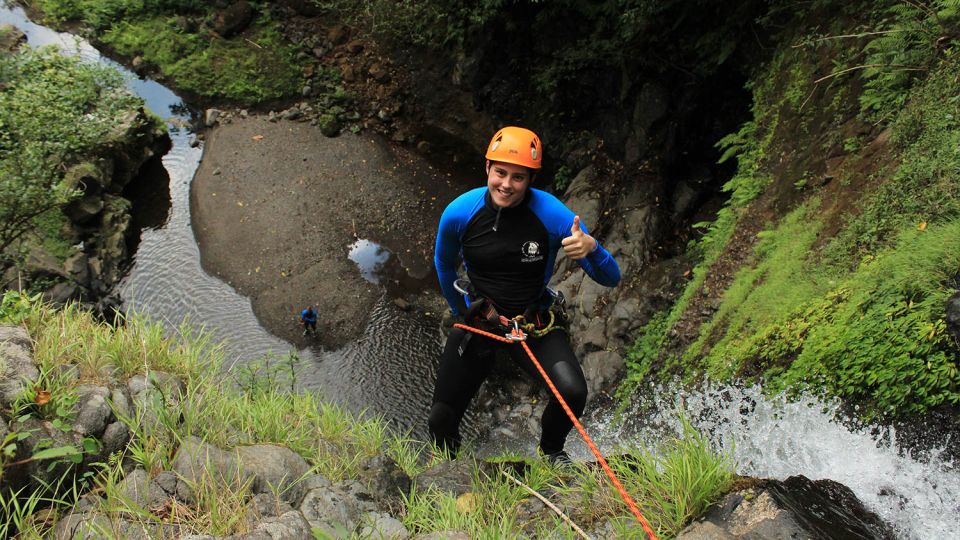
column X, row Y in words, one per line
column 773, row 437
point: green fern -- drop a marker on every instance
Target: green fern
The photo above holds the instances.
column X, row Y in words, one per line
column 911, row 43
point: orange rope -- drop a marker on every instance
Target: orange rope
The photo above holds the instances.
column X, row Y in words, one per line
column 593, row 448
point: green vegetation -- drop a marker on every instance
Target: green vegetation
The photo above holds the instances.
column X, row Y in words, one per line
column 257, row 68
column 671, row 485
column 764, row 291
column 913, row 38
column 859, row 315
column 170, row 35
column 54, row 111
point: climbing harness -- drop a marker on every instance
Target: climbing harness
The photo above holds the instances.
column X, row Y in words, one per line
column 537, row 321
column 517, row 334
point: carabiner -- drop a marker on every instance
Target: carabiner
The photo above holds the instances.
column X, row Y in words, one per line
column 516, row 334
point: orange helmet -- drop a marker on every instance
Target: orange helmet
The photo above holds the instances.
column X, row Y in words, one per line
column 516, row 145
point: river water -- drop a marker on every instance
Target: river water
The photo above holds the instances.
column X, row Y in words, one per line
column 387, row 370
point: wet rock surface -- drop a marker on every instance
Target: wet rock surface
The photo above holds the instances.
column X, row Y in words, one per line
column 794, row 508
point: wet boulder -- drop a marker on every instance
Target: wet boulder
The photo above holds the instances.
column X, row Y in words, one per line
column 793, row 508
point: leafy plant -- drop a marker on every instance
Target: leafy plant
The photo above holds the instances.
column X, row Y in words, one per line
column 908, row 46
column 53, row 110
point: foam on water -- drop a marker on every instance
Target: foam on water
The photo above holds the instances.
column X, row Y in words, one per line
column 775, row 437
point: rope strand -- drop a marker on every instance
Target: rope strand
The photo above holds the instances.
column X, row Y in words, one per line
column 583, row 432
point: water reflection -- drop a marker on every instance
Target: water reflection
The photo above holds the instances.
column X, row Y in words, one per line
column 370, row 258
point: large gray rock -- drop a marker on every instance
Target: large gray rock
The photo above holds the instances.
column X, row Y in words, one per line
column 265, row 505
column 267, row 468
column 330, row 511
column 41, row 264
column 84, row 209
column 120, row 404
column 290, row 526
column 623, row 320
column 115, row 437
column 17, row 370
column 94, row 413
column 82, row 526
column 77, row 266
column 137, row 488
column 171, row 386
column 385, row 479
column 146, row 392
column 383, row 526
column 452, row 477
column 583, row 199
column 794, row 509
column 61, row 293
column 274, row 469
column 635, row 233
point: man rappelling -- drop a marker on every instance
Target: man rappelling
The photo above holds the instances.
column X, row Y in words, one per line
column 507, row 235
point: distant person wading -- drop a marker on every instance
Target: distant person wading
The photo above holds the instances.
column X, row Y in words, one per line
column 309, row 319
column 507, row 235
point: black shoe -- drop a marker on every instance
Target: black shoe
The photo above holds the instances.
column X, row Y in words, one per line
column 559, row 458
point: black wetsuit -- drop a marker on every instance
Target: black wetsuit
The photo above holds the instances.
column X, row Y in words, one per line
column 509, row 255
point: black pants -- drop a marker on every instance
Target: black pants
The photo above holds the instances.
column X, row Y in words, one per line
column 462, row 372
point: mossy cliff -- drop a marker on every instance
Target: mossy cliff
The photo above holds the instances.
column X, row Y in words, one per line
column 831, row 267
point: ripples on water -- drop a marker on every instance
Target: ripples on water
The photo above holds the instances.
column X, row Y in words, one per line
column 776, row 438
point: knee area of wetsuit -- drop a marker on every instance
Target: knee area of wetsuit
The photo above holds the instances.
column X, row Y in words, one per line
column 572, row 386
column 443, row 420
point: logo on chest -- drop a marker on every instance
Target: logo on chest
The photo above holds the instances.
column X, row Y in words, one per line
column 530, row 252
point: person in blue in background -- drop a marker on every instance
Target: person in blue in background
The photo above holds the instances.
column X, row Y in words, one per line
column 309, row 319
column 508, row 235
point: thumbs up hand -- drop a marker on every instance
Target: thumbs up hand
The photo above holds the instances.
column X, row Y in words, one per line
column 579, row 244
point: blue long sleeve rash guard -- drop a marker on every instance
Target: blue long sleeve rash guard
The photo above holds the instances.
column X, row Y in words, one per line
column 509, row 253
